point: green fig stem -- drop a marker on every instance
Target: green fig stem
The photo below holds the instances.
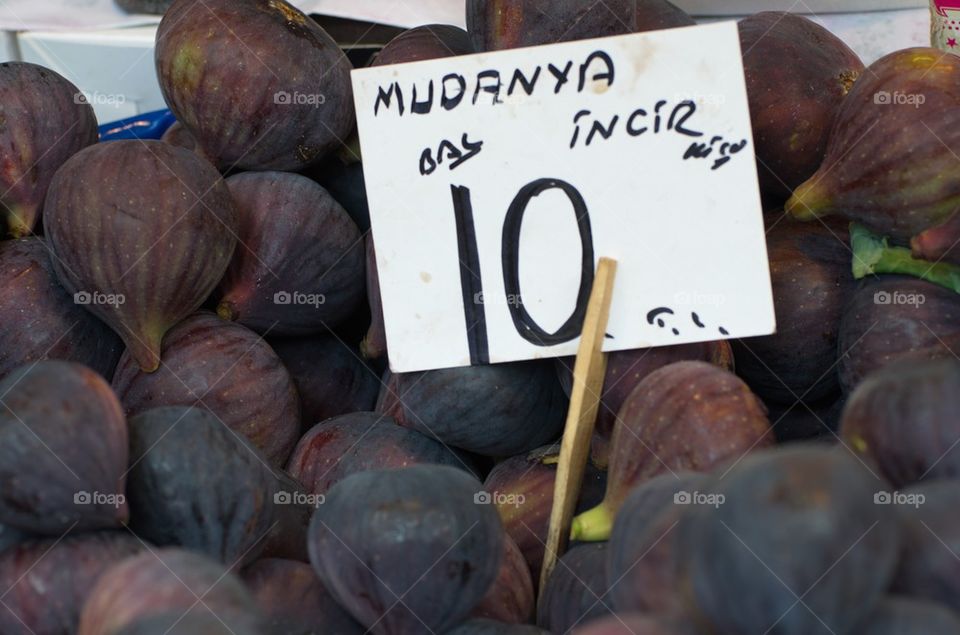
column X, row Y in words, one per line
column 808, row 202
column 872, row 254
column 16, row 226
column 227, row 311
column 593, row 525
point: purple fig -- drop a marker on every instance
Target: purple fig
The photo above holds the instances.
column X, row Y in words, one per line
column 483, row 626
column 156, row 583
column 46, row 582
column 632, row 624
column 685, row 416
column 226, row 369
column 63, row 450
column 44, row 121
column 793, row 105
column 299, row 266
column 576, row 592
column 294, row 600
column 655, row 15
column 428, row 42
column 510, row 599
column 904, row 616
column 177, row 135
column 11, row 537
column 144, row 252
column 346, row 183
column 258, row 84
column 374, row 345
column 889, row 163
column 55, row 327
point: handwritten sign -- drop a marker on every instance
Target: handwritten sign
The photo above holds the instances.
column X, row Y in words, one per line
column 496, row 182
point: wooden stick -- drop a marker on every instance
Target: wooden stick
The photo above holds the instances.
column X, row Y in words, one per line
column 588, row 374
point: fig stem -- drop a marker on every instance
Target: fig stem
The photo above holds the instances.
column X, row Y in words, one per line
column 808, row 202
column 873, row 254
column 227, row 311
column 593, row 525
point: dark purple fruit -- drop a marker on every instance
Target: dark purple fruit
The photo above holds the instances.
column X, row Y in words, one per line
column 890, row 163
column 654, row 15
column 810, row 272
column 226, row 369
column 904, row 616
column 498, row 410
column 416, row 534
column 175, row 623
column 506, row 24
column 346, row 183
column 374, row 345
column 892, row 316
column 359, row 442
column 177, row 135
column 257, row 83
column 576, row 592
column 786, row 524
column 11, row 537
column 147, row 244
column 299, row 267
column 45, row 582
column 55, row 326
column 510, row 599
column 162, row 581
column 428, row 42
column 482, row 626
column 632, row 624
column 331, row 378
column 63, row 450
column 294, row 601
column 806, row 420
column 686, row 416
column 798, row 74
column 44, row 121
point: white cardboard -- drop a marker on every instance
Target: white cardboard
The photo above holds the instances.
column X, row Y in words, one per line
column 687, row 237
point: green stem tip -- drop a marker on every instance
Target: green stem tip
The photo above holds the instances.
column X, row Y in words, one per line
column 593, row 525
column 873, row 254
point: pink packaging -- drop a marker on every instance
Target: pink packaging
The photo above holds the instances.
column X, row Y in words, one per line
column 945, row 25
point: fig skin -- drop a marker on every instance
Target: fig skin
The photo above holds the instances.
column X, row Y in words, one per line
column 510, row 599
column 812, row 281
column 46, row 581
column 427, row 42
column 898, row 180
column 903, row 616
column 294, row 601
column 576, row 592
column 360, row 442
column 55, row 327
column 331, row 378
column 374, row 344
column 177, row 135
column 160, row 582
column 482, row 626
column 498, row 410
column 107, row 239
column 495, row 25
column 903, row 419
column 258, row 84
column 415, row 533
column 874, row 333
column 798, row 75
column 626, row 369
column 62, row 434
column 346, row 184
column 798, row 521
column 295, row 240
column 654, row 15
column 11, row 537
column 685, row 416
column 632, row 624
column 46, row 120
column 226, row 369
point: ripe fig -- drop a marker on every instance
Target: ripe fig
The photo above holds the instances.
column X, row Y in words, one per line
column 890, row 316
column 576, row 592
column 11, row 537
column 45, row 121
column 407, row 550
column 226, row 369
column 46, row 581
column 626, row 369
column 294, row 601
column 299, row 267
column 177, row 135
column 258, row 84
column 331, row 378
column 427, row 42
column 685, row 416
column 359, row 442
column 904, row 616
column 506, row 24
column 793, row 105
column 146, row 252
column 63, row 450
column 56, row 326
column 497, row 410
column 787, row 524
column 482, row 626
column 160, row 582
column 905, row 105
column 810, row 273
column 510, row 599
column 346, row 184
column 374, row 345
column 654, row 15
column 632, row 624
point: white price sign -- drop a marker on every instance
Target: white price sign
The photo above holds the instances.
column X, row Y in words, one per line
column 496, row 182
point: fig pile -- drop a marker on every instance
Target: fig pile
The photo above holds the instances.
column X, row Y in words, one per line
column 200, row 433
